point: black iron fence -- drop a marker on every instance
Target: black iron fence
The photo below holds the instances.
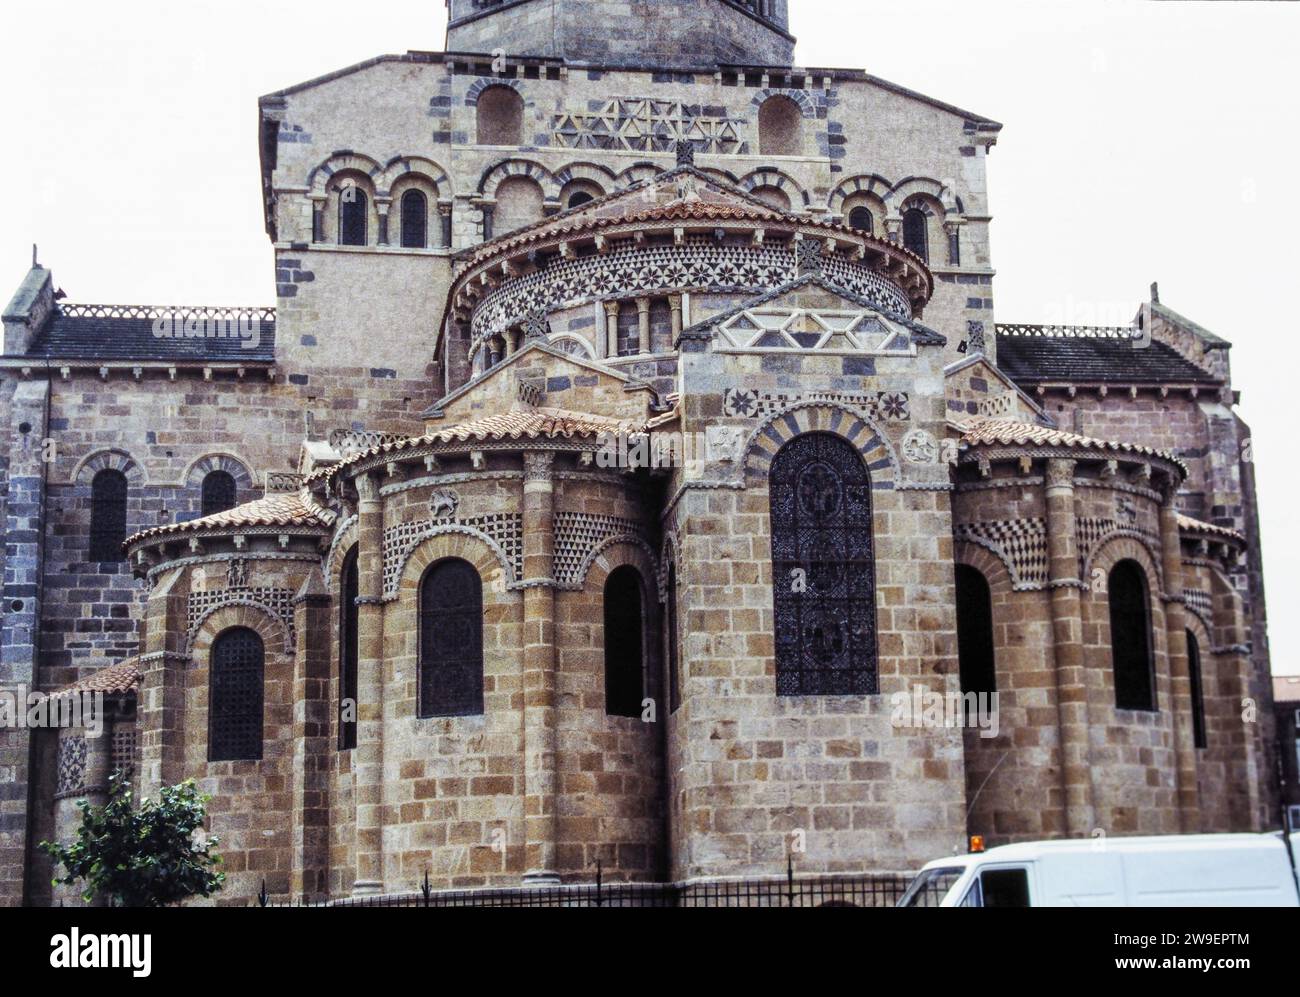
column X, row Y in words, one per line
column 879, row 890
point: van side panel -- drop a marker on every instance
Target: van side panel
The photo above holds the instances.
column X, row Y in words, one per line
column 1224, row 877
column 1083, row 879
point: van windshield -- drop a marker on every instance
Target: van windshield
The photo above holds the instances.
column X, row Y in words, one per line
column 930, row 887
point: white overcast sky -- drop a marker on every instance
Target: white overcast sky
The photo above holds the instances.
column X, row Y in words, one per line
column 1143, row 141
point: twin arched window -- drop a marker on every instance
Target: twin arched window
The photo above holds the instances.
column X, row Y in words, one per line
column 915, row 237
column 107, row 515
column 624, row 643
column 1130, row 637
column 415, row 220
column 451, row 640
column 354, row 214
column 823, row 572
column 219, row 492
column 235, row 693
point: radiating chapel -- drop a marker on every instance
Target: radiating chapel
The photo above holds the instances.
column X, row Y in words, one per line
column 630, row 439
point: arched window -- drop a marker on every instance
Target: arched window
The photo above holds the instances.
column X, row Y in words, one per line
column 353, row 216
column 500, row 117
column 349, row 653
column 451, row 640
column 624, row 643
column 674, row 680
column 914, row 233
column 235, row 697
column 975, row 631
column 860, row 219
column 1130, row 637
column 219, row 492
column 107, row 515
column 1197, row 690
column 823, row 574
column 780, row 127
column 415, row 220
column 580, row 197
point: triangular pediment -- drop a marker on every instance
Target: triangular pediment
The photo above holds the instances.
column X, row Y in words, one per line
column 541, row 375
column 975, row 387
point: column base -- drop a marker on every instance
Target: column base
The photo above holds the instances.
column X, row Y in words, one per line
column 367, row 888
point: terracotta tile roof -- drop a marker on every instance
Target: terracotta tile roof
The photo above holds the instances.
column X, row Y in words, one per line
column 982, row 431
column 1286, row 688
column 1189, row 525
column 287, row 509
column 516, row 424
column 119, row 679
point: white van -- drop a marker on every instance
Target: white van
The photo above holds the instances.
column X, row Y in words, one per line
column 1190, row 870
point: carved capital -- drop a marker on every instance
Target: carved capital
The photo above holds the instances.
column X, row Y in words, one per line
column 538, row 465
column 1060, row 473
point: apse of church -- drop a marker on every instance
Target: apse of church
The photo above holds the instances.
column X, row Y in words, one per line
column 385, row 588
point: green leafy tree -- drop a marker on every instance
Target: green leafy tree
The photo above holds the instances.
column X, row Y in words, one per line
column 150, row 856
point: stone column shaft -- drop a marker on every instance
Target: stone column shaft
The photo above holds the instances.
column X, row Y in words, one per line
column 540, row 770
column 611, row 328
column 368, row 759
column 643, row 324
column 1067, row 646
column 1180, row 684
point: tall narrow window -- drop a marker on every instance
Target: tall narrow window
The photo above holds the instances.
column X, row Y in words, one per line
column 1130, row 638
column 914, row 233
column 624, row 643
column 823, row 574
column 219, row 492
column 353, row 212
column 674, row 679
column 415, row 220
column 107, row 515
column 975, row 653
column 235, row 697
column 860, row 219
column 349, row 653
column 451, row 640
column 1197, row 690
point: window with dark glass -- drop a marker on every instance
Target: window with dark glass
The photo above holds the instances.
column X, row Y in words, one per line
column 914, row 233
column 415, row 220
column 451, row 640
column 235, row 697
column 349, row 653
column 353, row 213
column 219, row 492
column 975, row 653
column 624, row 643
column 860, row 219
column 823, row 574
column 674, row 680
column 1197, row 690
column 1130, row 637
column 107, row 515
column 579, row 198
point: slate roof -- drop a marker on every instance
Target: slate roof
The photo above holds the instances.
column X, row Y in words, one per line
column 983, row 431
column 119, row 679
column 124, row 332
column 1090, row 359
column 287, row 509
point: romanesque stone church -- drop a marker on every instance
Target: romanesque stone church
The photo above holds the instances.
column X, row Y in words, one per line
column 631, row 441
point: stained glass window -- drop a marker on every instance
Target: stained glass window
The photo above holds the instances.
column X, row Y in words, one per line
column 235, row 696
column 823, row 569
column 107, row 515
column 451, row 640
